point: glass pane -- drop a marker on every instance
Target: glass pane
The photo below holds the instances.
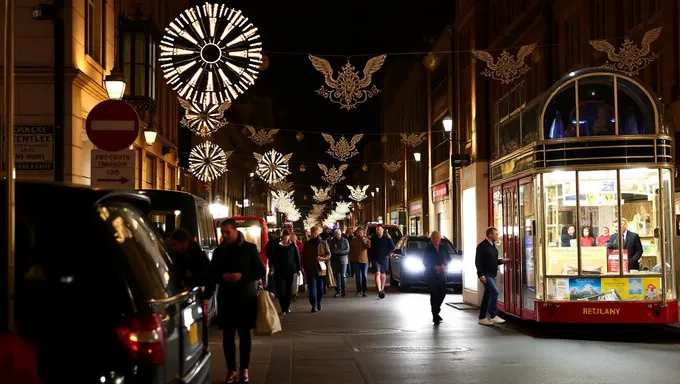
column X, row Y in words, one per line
column 498, row 224
column 539, row 270
column 509, row 135
column 556, row 121
column 526, row 201
column 560, row 216
column 140, row 80
column 636, row 113
column 252, row 234
column 140, row 49
column 595, row 106
column 529, row 125
column 668, row 234
column 127, row 48
column 640, row 219
column 598, row 207
column 141, row 247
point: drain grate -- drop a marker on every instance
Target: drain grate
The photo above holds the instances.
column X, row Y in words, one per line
column 347, row 332
column 462, row 306
column 397, row 349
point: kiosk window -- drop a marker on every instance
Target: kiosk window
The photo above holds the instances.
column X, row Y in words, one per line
column 560, row 223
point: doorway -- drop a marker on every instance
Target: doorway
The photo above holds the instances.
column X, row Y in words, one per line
column 511, row 249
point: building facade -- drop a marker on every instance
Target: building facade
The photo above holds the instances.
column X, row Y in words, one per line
column 98, row 36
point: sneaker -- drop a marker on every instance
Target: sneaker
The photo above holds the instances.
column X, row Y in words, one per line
column 318, row 308
column 336, row 295
column 497, row 320
column 381, row 294
column 357, row 294
column 244, row 376
column 364, row 294
column 231, row 378
column 314, row 310
column 288, row 310
column 485, row 322
column 282, row 313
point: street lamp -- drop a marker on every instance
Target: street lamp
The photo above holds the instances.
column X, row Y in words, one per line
column 115, row 85
column 416, row 155
column 377, row 189
column 246, row 203
column 252, row 174
column 448, row 124
column 150, row 134
column 372, row 194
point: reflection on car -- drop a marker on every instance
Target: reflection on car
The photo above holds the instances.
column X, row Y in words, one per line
column 407, row 268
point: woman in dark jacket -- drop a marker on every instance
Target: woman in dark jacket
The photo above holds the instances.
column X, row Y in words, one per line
column 236, row 268
column 286, row 263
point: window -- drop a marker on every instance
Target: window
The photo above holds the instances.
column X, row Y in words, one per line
column 598, row 208
column 440, row 144
column 166, row 221
column 573, row 39
column 595, row 106
column 95, row 29
column 560, row 217
column 252, row 234
column 668, row 231
column 556, row 121
column 150, row 173
column 498, row 224
column 634, row 13
column 139, row 55
column 635, row 112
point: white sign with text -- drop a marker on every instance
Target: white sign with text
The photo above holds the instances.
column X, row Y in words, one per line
column 113, row 170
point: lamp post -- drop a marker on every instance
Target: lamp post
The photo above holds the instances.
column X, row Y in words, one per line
column 8, row 120
column 448, row 123
column 150, row 134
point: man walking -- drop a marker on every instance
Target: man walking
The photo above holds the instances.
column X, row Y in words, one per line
column 487, row 262
column 314, row 253
column 381, row 248
column 358, row 254
column 339, row 260
column 190, row 260
column 435, row 259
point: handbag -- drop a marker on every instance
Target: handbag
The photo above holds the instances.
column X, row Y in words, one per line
column 321, row 268
column 267, row 322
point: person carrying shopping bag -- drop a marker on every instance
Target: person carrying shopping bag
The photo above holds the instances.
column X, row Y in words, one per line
column 358, row 256
column 315, row 254
column 286, row 264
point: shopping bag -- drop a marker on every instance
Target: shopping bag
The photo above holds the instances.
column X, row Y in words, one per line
column 297, row 282
column 267, row 322
column 330, row 277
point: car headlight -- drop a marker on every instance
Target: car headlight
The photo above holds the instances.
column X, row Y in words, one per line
column 413, row 264
column 455, row 266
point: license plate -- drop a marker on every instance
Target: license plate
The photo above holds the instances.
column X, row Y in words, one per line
column 193, row 334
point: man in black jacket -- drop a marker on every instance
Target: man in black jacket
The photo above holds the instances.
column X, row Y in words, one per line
column 190, row 260
column 632, row 246
column 487, row 262
column 436, row 258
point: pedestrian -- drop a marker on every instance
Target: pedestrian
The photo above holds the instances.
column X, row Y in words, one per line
column 435, row 258
column 285, row 263
column 358, row 255
column 236, row 267
column 349, row 235
column 339, row 260
column 299, row 281
column 487, row 262
column 269, row 253
column 189, row 260
column 314, row 253
column 381, row 249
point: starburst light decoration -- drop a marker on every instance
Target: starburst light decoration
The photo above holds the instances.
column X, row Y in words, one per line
column 203, row 119
column 262, row 136
column 507, row 68
column 630, row 58
column 207, row 161
column 357, row 193
column 348, row 89
column 413, row 139
column 333, row 175
column 210, row 54
column 342, row 149
column 321, row 193
column 392, row 166
column 272, row 166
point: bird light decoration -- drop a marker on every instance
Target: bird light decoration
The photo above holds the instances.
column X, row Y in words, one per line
column 321, row 194
column 333, row 175
column 630, row 59
column 342, row 149
column 262, row 136
column 507, row 68
column 358, row 193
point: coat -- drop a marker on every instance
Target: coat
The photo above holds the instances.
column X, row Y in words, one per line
column 433, row 257
column 632, row 245
column 339, row 252
column 191, row 268
column 285, row 259
column 236, row 301
column 358, row 250
column 312, row 249
column 486, row 259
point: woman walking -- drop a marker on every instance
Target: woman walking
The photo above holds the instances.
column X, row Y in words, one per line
column 286, row 263
column 236, row 268
column 314, row 253
column 358, row 256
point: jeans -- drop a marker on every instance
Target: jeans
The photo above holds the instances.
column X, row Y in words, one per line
column 284, row 289
column 361, row 276
column 437, row 288
column 490, row 299
column 229, row 345
column 341, row 279
column 316, row 288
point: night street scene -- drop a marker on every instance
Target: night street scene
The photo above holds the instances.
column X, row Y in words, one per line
column 371, row 192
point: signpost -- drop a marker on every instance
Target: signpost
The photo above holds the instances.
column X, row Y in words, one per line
column 113, row 170
column 112, row 125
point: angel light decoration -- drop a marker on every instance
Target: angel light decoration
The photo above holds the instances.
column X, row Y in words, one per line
column 342, row 149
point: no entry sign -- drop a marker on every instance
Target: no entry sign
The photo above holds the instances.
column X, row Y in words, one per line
column 112, row 125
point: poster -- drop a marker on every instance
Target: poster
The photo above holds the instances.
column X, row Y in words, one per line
column 584, row 289
column 613, row 260
column 620, row 285
column 558, row 289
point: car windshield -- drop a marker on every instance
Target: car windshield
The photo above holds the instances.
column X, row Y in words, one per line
column 419, row 244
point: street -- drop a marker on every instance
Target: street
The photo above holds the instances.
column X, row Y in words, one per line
column 367, row 340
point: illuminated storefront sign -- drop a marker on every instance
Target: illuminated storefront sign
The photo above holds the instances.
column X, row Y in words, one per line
column 440, row 192
column 601, row 311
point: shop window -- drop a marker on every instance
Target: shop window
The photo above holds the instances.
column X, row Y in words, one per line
column 598, row 209
column 498, row 224
column 635, row 109
column 139, row 53
column 640, row 221
column 560, row 223
column 556, row 119
column 595, row 106
column 668, row 231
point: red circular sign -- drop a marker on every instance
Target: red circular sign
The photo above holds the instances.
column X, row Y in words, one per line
column 112, row 125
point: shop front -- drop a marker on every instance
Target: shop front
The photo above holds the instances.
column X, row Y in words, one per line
column 442, row 209
column 415, row 211
column 394, row 217
column 584, row 205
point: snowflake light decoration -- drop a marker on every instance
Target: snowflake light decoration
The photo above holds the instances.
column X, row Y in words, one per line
column 321, row 194
column 262, row 136
column 210, row 54
column 281, row 196
column 333, row 175
column 358, row 193
column 203, row 119
column 342, row 149
column 207, row 161
column 272, row 166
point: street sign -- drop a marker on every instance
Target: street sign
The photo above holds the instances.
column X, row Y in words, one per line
column 113, row 170
column 112, row 125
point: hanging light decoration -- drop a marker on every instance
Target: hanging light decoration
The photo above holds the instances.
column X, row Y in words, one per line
column 357, row 193
column 207, row 161
column 203, row 119
column 303, row 168
column 272, row 166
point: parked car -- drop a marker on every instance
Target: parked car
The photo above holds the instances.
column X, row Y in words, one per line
column 175, row 209
column 407, row 268
column 393, row 230
column 95, row 293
